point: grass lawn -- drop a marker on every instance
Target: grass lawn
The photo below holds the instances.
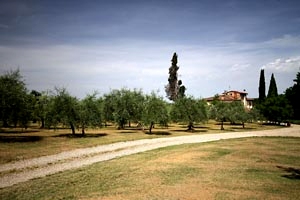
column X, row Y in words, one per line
column 249, row 168
column 18, row 144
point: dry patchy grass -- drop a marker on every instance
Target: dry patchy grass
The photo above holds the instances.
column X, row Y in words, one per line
column 252, row 168
column 18, row 144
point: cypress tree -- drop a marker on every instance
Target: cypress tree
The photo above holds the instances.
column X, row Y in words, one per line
column 272, row 87
column 174, row 89
column 262, row 86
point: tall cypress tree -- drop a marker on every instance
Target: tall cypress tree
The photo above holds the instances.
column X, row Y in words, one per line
column 262, row 86
column 272, row 87
column 174, row 89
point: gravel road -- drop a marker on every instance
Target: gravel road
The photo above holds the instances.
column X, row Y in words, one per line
column 24, row 170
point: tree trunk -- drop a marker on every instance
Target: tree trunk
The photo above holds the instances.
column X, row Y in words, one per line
column 243, row 125
column 72, row 128
column 43, row 122
column 150, row 128
column 83, row 131
column 190, row 127
column 222, row 125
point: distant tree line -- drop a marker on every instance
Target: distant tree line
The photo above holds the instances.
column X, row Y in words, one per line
column 56, row 108
column 53, row 109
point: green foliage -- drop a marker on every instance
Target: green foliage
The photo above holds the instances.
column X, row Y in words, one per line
column 218, row 110
column 233, row 112
column 276, row 108
column 89, row 112
column 190, row 110
column 293, row 96
column 236, row 112
column 262, row 86
column 40, row 106
column 63, row 108
column 272, row 87
column 15, row 104
column 155, row 111
column 123, row 106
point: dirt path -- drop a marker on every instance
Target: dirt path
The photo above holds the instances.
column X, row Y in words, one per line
column 21, row 171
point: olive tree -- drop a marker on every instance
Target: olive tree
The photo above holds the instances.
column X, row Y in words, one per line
column 63, row 108
column 123, row 106
column 237, row 113
column 155, row 111
column 41, row 106
column 219, row 111
column 15, row 102
column 89, row 112
column 190, row 110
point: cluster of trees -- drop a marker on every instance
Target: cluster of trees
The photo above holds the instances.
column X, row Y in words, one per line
column 278, row 107
column 58, row 107
column 55, row 108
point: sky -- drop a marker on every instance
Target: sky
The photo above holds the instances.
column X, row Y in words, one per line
column 101, row 45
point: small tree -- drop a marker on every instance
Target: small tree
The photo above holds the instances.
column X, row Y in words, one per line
column 123, row 105
column 63, row 108
column 237, row 113
column 89, row 112
column 155, row 111
column 41, row 106
column 190, row 110
column 15, row 104
column 219, row 111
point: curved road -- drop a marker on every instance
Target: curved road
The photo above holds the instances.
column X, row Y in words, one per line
column 21, row 171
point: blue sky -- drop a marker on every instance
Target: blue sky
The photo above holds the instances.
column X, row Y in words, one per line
column 103, row 45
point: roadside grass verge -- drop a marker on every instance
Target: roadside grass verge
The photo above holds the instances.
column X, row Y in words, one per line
column 248, row 168
column 17, row 144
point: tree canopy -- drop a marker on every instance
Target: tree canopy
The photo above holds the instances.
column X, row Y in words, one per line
column 189, row 110
column 155, row 111
column 293, row 96
column 15, row 104
column 124, row 106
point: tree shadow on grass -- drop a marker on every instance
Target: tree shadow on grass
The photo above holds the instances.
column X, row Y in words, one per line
column 13, row 139
column 158, row 133
column 16, row 131
column 125, row 132
column 241, row 128
column 191, row 131
column 203, row 127
column 293, row 173
column 87, row 135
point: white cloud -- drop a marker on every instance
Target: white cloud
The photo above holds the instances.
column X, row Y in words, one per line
column 284, row 65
